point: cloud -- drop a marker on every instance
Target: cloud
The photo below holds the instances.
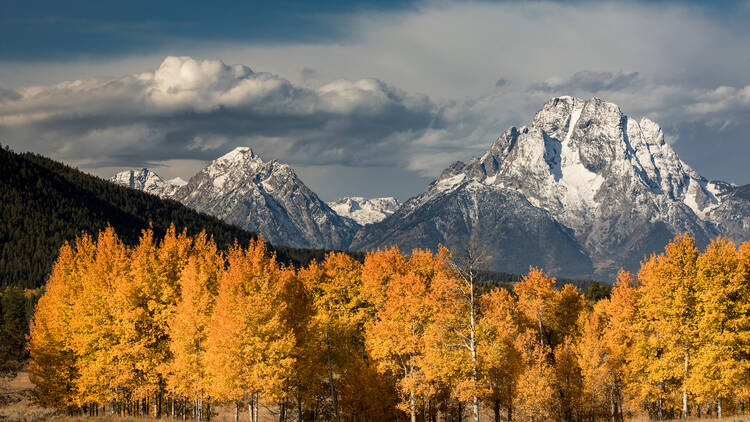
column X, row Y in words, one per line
column 413, row 88
column 590, row 82
column 195, row 109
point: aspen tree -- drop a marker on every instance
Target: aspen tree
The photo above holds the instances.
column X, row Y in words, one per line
column 535, row 393
column 500, row 359
column 341, row 312
column 666, row 321
column 188, row 326
column 92, row 331
column 536, row 291
column 396, row 338
column 52, row 364
column 249, row 344
column 451, row 350
column 721, row 363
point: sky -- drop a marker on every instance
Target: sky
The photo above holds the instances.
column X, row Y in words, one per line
column 362, row 98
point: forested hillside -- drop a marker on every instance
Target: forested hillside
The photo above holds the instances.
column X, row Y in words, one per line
column 44, row 203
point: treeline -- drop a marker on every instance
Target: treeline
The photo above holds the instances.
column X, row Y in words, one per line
column 16, row 306
column 171, row 328
column 44, row 203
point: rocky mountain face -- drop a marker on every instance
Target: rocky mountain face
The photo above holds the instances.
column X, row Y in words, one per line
column 365, row 211
column 604, row 186
column 268, row 198
column 264, row 197
column 148, row 181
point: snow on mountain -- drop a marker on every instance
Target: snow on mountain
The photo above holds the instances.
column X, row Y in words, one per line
column 268, row 198
column 148, row 181
column 365, row 211
column 612, row 182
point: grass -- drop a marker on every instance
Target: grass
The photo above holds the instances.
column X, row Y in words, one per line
column 17, row 405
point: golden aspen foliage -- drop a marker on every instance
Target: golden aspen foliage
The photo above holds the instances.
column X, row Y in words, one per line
column 721, row 363
column 500, row 360
column 92, row 330
column 604, row 348
column 535, row 391
column 52, row 364
column 666, row 335
column 536, row 293
column 395, row 339
column 379, row 268
column 189, row 324
column 249, row 346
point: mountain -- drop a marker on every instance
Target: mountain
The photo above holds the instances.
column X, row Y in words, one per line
column 582, row 191
column 365, row 211
column 44, row 203
column 266, row 197
column 148, row 181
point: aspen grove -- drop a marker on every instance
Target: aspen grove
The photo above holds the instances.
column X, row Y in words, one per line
column 175, row 328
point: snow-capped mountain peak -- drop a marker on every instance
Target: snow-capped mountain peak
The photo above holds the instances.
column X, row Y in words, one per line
column 267, row 197
column 147, row 181
column 610, row 181
column 365, row 211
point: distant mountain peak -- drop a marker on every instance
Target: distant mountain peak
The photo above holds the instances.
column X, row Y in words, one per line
column 363, row 210
column 148, row 181
column 239, row 154
column 266, row 197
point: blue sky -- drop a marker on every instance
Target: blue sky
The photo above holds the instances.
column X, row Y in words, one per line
column 366, row 97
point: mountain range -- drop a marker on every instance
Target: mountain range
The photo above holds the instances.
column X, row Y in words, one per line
column 581, row 191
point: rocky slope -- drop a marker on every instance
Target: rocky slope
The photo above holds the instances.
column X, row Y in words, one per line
column 365, row 211
column 608, row 181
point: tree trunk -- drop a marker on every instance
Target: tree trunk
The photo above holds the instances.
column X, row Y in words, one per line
column 718, row 408
column 612, row 409
column 236, row 411
column 496, row 409
column 510, row 412
column 257, row 406
column 472, row 338
column 541, row 331
column 460, row 411
column 334, row 401
column 412, row 407
column 282, row 412
column 250, row 408
column 299, row 406
column 684, row 388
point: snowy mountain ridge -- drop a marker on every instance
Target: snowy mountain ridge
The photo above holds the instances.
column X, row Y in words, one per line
column 365, row 211
column 266, row 197
column 148, row 181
